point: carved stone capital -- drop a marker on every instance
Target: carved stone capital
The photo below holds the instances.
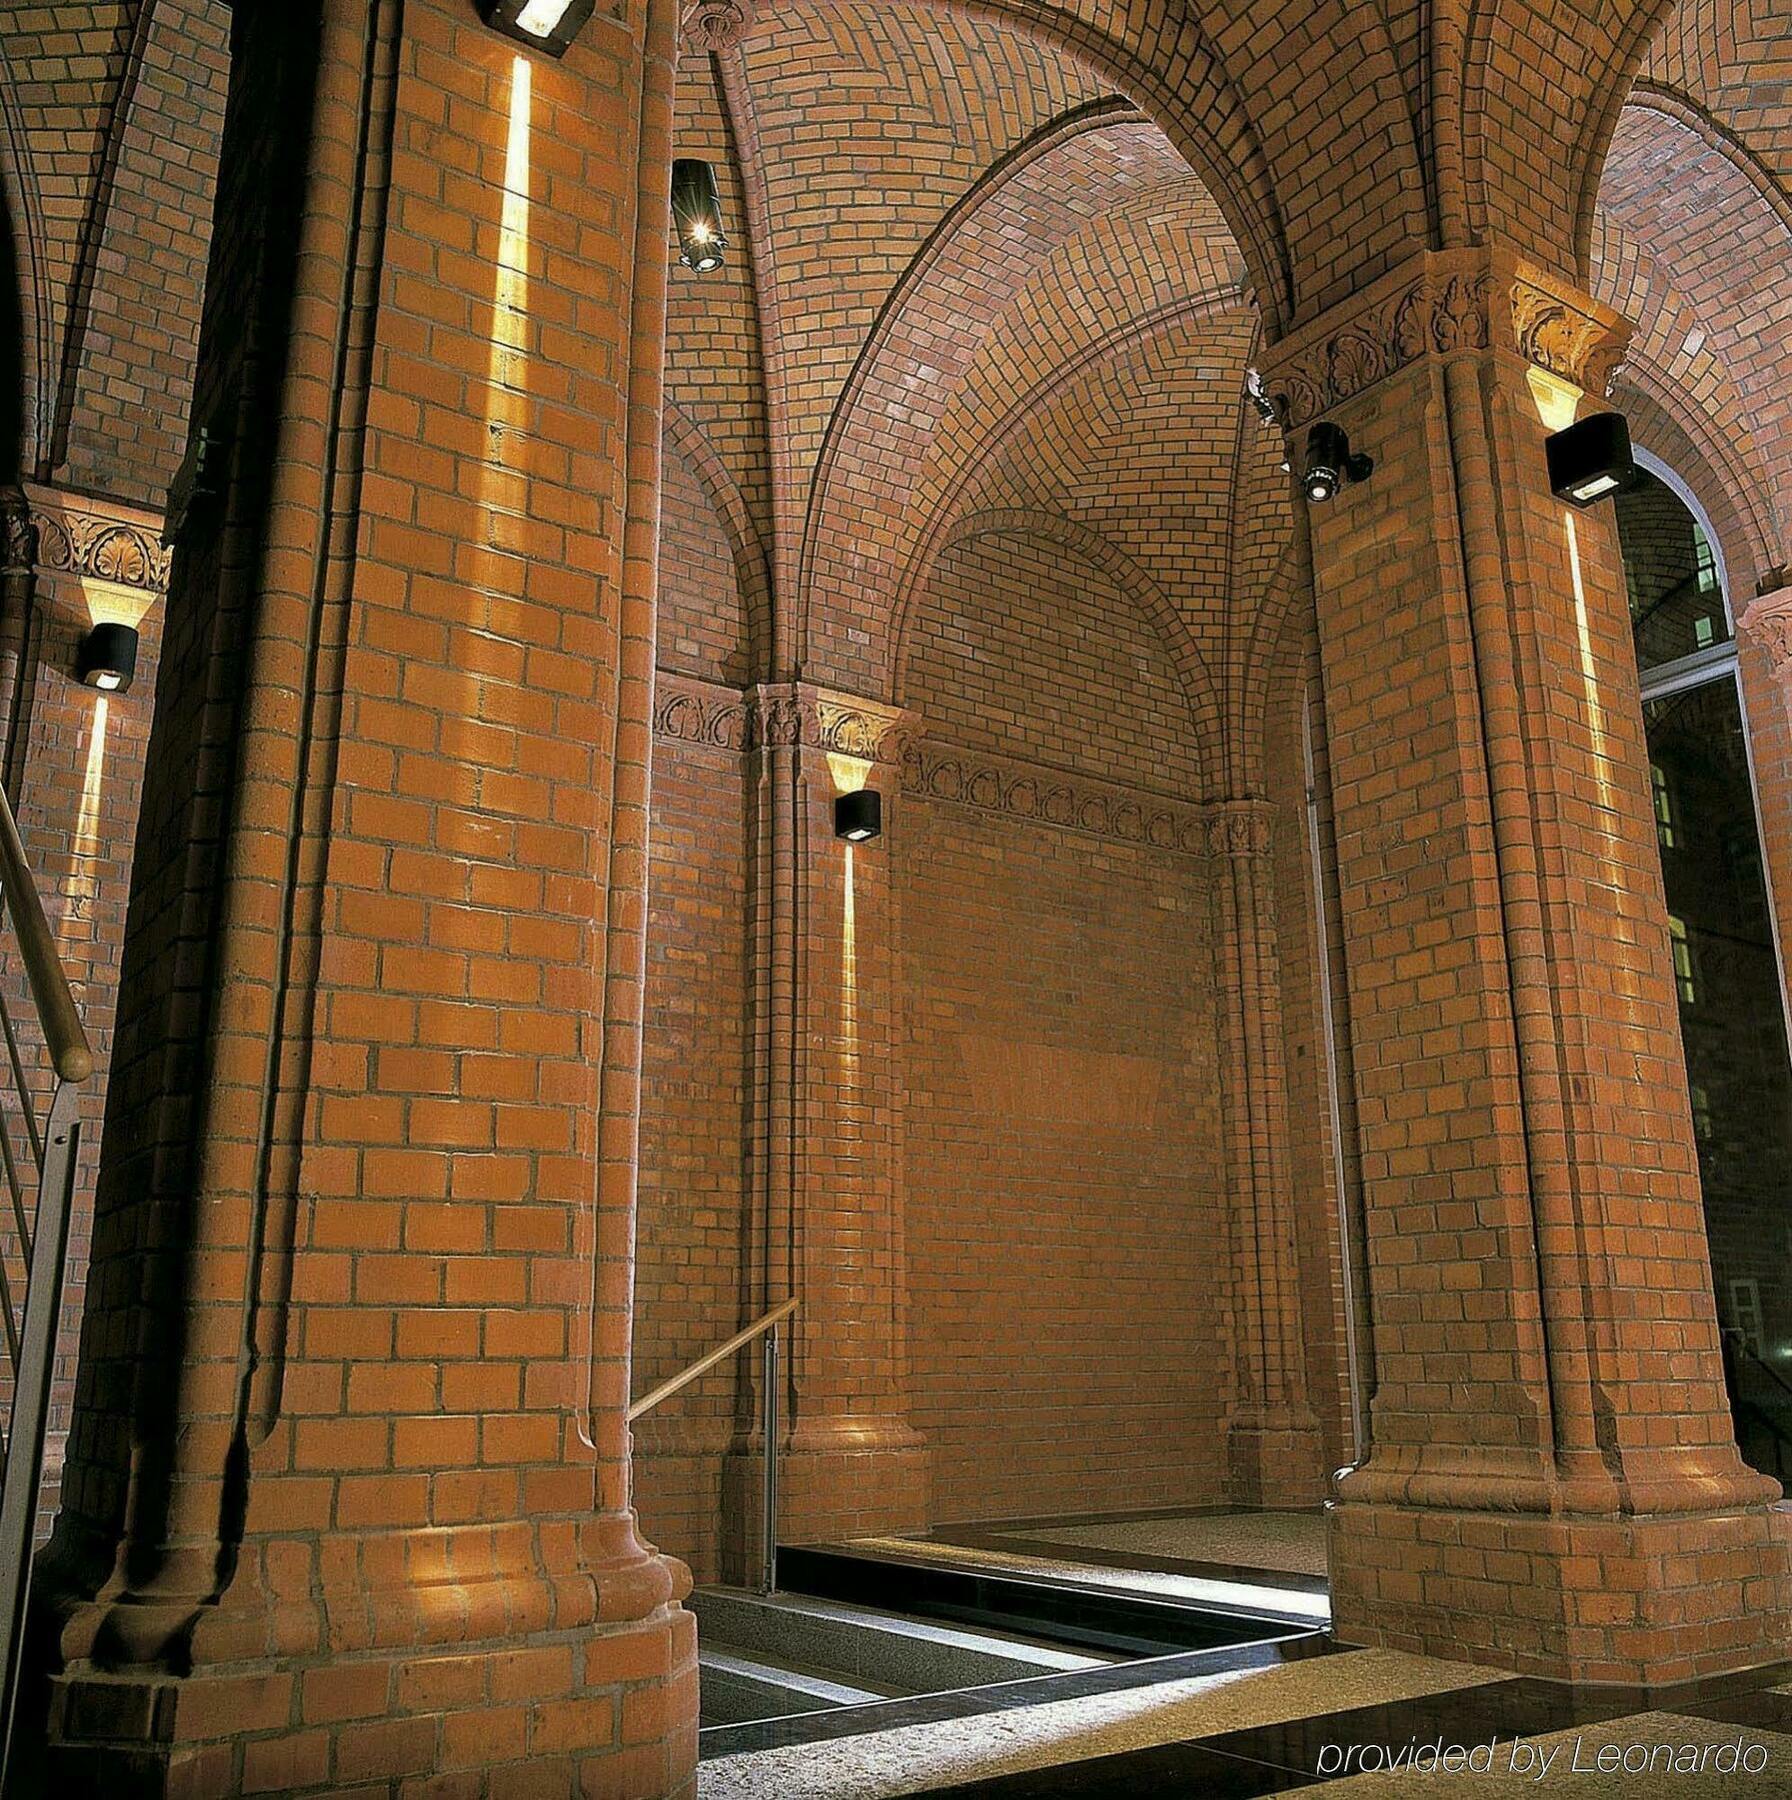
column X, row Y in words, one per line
column 1767, row 622
column 811, row 718
column 1239, row 828
column 712, row 25
column 1444, row 303
column 111, row 550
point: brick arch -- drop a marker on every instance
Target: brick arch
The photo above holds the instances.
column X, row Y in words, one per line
column 1693, row 390
column 752, row 564
column 939, row 318
column 998, row 435
column 1135, row 582
column 1521, row 135
column 25, row 306
column 1695, row 242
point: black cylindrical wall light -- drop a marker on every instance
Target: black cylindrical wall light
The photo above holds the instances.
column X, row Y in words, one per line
column 1330, row 462
column 549, row 25
column 859, row 817
column 697, row 215
column 107, row 658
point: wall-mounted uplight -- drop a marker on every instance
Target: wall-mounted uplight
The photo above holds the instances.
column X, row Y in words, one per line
column 549, row 25
column 1330, row 462
column 107, row 658
column 697, row 215
column 859, row 816
column 1591, row 459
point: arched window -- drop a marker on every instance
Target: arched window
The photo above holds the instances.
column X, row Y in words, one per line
column 1726, row 968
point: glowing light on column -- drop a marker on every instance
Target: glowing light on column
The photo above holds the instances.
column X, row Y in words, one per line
column 502, row 483
column 1589, row 675
column 849, row 985
column 83, row 884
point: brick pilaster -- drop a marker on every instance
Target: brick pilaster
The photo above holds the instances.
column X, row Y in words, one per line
column 1553, row 1481
column 347, row 1496
column 826, row 1135
column 1273, row 1445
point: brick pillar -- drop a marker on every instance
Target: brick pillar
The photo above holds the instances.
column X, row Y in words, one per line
column 827, row 1148
column 1552, row 1482
column 1764, row 657
column 347, row 1492
column 1274, row 1452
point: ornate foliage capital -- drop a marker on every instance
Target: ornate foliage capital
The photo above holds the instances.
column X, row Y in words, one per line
column 101, row 544
column 1443, row 303
column 1767, row 621
column 711, row 25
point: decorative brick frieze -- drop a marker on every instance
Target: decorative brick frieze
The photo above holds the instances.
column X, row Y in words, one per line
column 1442, row 303
column 689, row 711
column 935, row 771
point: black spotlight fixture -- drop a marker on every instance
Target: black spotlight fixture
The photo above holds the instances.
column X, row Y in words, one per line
column 107, row 658
column 697, row 215
column 1591, row 459
column 549, row 25
column 859, row 817
column 1329, row 463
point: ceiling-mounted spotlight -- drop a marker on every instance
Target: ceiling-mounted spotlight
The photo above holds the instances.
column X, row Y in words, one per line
column 859, row 816
column 549, row 25
column 697, row 215
column 1591, row 459
column 1330, row 463
column 106, row 658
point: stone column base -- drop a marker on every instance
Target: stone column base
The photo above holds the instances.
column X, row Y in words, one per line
column 580, row 1687
column 1643, row 1601
column 1275, row 1458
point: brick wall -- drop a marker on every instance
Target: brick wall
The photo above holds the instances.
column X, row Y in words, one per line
column 1068, row 1233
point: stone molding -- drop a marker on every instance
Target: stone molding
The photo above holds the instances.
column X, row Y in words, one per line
column 1240, row 828
column 106, row 545
column 716, row 25
column 1443, row 303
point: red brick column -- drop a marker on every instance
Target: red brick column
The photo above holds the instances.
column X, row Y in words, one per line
column 347, row 1492
column 827, row 1148
column 1764, row 658
column 1272, row 1436
column 1552, row 1482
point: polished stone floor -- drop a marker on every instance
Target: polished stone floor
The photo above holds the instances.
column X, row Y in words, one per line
column 1272, row 1730
column 1275, row 1719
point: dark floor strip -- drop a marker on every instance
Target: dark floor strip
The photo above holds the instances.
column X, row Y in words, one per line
column 1001, row 1696
column 1762, row 1711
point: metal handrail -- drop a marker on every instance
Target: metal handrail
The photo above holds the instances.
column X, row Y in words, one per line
column 66, row 1041
column 43, row 1244
column 768, row 1325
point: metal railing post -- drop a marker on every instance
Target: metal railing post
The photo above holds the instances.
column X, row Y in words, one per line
column 768, row 1575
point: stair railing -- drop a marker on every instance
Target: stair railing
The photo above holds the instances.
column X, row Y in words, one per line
column 40, row 1186
column 768, row 1326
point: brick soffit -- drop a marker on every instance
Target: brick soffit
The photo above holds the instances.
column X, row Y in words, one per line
column 1442, row 303
column 713, row 716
